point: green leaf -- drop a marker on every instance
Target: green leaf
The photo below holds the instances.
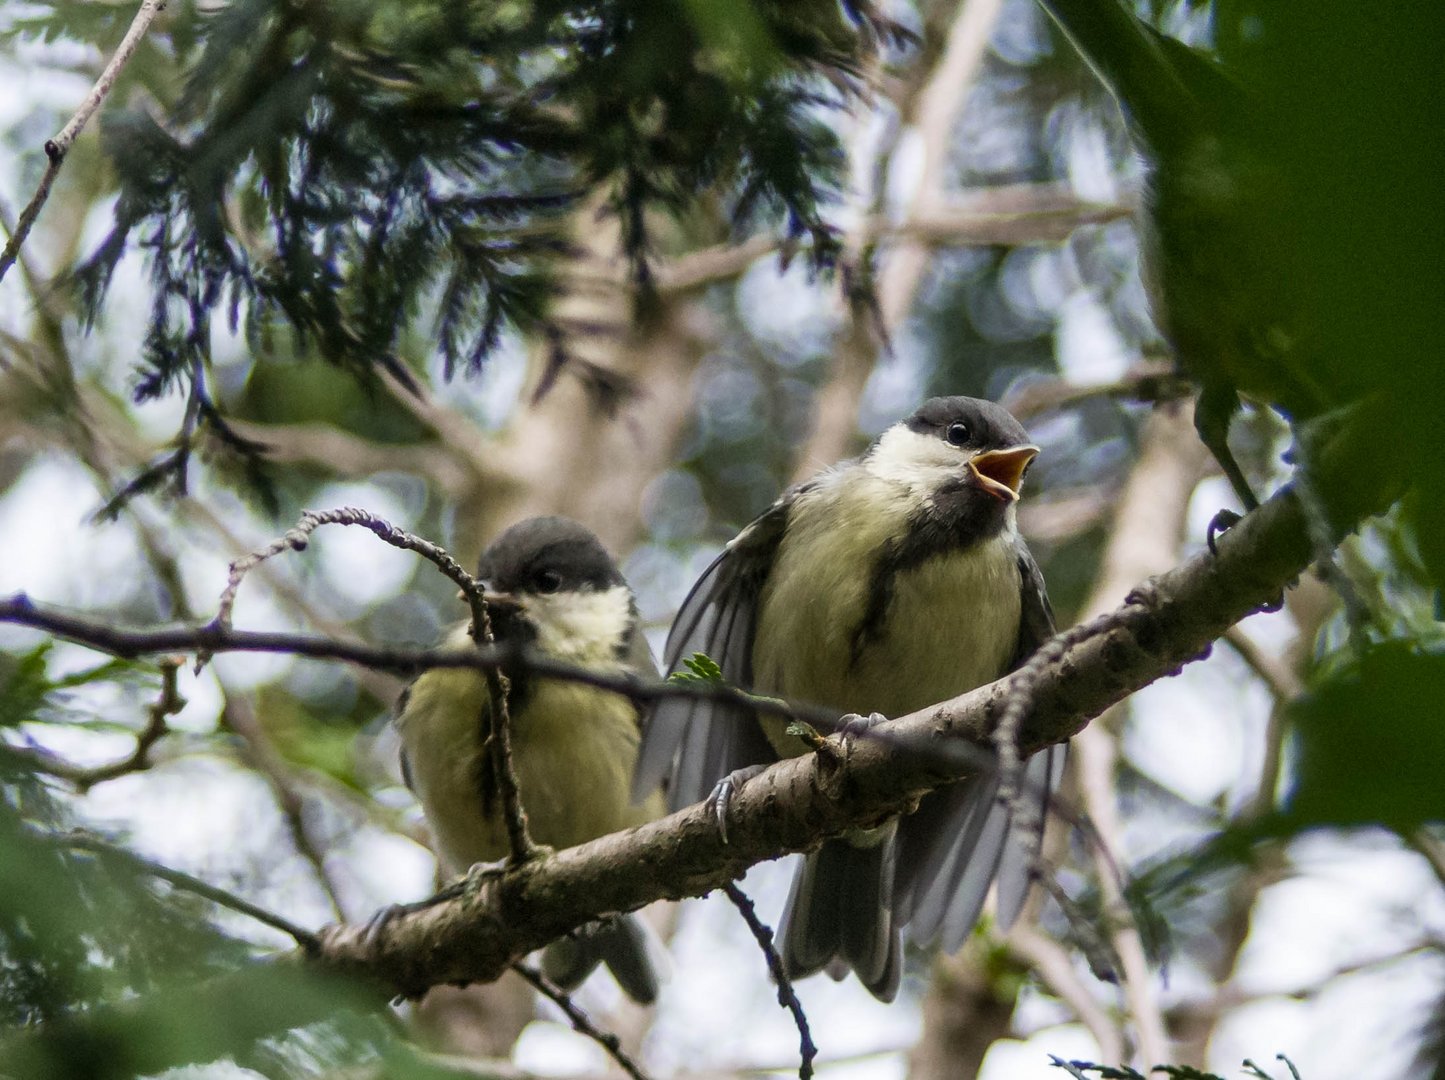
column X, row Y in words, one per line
column 1371, row 742
column 801, row 729
column 700, row 668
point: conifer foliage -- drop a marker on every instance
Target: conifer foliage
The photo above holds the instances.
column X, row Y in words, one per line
column 343, row 169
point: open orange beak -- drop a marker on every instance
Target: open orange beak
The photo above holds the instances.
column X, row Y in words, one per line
column 1000, row 472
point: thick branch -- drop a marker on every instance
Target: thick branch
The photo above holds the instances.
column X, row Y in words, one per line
column 797, row 802
column 478, row 934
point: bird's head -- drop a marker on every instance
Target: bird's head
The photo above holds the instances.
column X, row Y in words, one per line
column 959, row 449
column 550, row 584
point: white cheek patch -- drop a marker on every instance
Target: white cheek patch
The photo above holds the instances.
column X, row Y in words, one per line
column 583, row 627
column 919, row 462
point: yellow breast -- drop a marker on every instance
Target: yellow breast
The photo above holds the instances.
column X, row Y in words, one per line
column 573, row 750
column 931, row 644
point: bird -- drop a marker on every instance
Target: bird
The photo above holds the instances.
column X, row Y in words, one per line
column 549, row 586
column 882, row 585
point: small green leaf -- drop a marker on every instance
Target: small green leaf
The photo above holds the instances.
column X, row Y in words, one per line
column 700, row 668
column 801, row 729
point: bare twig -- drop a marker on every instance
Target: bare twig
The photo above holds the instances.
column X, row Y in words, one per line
column 298, row 537
column 1048, row 214
column 787, row 997
column 20, row 610
column 1146, row 536
column 1054, row 967
column 80, row 840
column 57, row 147
column 82, row 777
column 1284, row 684
column 580, row 1021
column 1153, row 382
column 498, row 734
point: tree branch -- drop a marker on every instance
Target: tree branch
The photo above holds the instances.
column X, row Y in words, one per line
column 79, row 840
column 59, row 146
column 85, row 777
column 791, row 807
column 796, row 803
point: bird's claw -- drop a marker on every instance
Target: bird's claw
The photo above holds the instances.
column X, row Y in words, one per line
column 478, row 874
column 1222, row 522
column 1145, row 595
column 857, row 726
column 721, row 796
column 375, row 927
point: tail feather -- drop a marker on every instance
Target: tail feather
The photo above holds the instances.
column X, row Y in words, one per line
column 839, row 916
column 621, row 942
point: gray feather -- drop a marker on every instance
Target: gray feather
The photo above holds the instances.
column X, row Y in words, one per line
column 621, row 942
column 960, row 840
column 691, row 745
column 839, row 916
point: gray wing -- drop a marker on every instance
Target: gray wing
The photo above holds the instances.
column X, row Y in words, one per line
column 692, row 744
column 960, row 839
column 401, row 758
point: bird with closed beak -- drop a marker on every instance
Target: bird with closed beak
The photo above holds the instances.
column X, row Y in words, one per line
column 552, row 588
column 879, row 587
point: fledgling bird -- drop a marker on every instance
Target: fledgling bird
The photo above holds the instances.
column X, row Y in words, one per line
column 553, row 588
column 882, row 585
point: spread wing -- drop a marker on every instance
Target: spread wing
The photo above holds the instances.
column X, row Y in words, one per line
column 960, row 839
column 689, row 743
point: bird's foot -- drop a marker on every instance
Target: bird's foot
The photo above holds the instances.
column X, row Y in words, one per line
column 721, row 796
column 1221, row 523
column 478, row 874
column 375, row 927
column 857, row 726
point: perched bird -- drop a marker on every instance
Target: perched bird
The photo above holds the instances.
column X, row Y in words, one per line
column 551, row 587
column 883, row 585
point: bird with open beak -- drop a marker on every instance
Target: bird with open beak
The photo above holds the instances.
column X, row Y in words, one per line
column 879, row 587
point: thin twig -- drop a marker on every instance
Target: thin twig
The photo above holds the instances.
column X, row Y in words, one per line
column 20, row 610
column 298, row 537
column 787, row 997
column 59, row 146
column 1152, row 382
column 498, row 717
column 83, row 778
column 580, row 1020
column 1054, row 967
column 1283, row 683
column 498, row 737
column 80, row 840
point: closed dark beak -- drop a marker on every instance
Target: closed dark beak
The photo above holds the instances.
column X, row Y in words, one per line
column 499, row 601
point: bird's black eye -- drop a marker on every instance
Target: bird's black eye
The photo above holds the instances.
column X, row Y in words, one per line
column 958, row 433
column 547, row 581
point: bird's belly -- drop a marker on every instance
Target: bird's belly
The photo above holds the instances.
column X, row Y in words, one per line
column 931, row 645
column 573, row 752
column 574, row 765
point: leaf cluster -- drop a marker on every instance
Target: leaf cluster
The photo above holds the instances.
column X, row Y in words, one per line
column 76, row 929
column 342, row 168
